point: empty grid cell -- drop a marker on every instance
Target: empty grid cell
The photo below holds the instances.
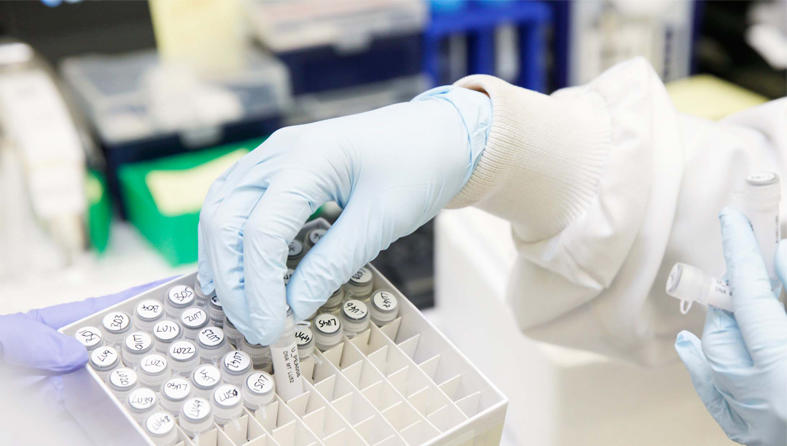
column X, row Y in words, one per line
column 419, row 432
column 260, row 440
column 446, row 417
column 470, row 404
column 344, row 437
column 389, row 359
column 294, row 433
column 374, row 429
column 382, row 395
column 362, row 374
column 353, row 407
column 409, row 380
column 401, row 415
column 237, row 429
column 392, row 440
column 427, row 399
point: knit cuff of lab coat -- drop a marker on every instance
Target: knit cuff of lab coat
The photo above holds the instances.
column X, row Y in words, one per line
column 543, row 159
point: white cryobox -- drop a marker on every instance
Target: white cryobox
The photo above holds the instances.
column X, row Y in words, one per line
column 402, row 383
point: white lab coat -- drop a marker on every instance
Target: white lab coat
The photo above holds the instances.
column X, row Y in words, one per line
column 607, row 186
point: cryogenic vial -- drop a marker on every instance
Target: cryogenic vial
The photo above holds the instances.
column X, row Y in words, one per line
column 305, row 339
column 141, row 403
column 258, row 390
column 174, row 392
column 690, row 284
column 122, row 380
column 226, row 403
column 153, row 370
column 89, row 336
column 160, row 427
column 288, row 276
column 260, row 355
column 178, row 298
column 360, row 285
column 233, row 335
column 313, row 236
column 211, row 343
column 183, row 357
column 147, row 313
column 201, row 298
column 103, row 360
column 334, row 303
column 286, row 362
column 206, row 378
column 295, row 253
column 355, row 317
column 116, row 324
column 137, row 345
column 215, row 311
column 384, row 307
column 193, row 320
column 234, row 366
column 327, row 330
column 195, row 416
column 165, row 333
column 759, row 201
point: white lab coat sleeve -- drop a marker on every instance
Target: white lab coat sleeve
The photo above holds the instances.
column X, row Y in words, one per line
column 606, row 186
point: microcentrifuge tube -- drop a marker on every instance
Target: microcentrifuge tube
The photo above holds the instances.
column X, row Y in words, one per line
column 137, row 345
column 160, row 427
column 153, row 370
column 235, row 365
column 327, row 330
column 226, row 403
column 360, row 285
column 122, row 380
column 286, row 363
column 294, row 254
column 355, row 317
column 89, row 336
column 183, row 357
column 141, row 403
column 384, row 307
column 690, row 284
column 196, row 416
column 759, row 201
column 305, row 340
column 174, row 392
column 116, row 324
column 179, row 297
column 147, row 313
column 165, row 333
column 206, row 378
column 212, row 344
column 233, row 335
column 103, row 360
column 215, row 311
column 260, row 355
column 313, row 236
column 258, row 390
column 193, row 320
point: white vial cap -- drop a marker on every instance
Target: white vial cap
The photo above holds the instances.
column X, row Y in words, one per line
column 236, row 362
column 385, row 307
column 160, row 424
column 149, row 310
column 211, row 338
column 305, row 340
column 142, row 399
column 123, row 379
column 166, row 331
column 176, row 389
column 182, row 351
column 314, row 236
column 295, row 249
column 258, row 389
column 227, row 396
column 116, row 322
column 327, row 330
column 196, row 410
column 206, row 376
column 362, row 277
column 180, row 296
column 104, row 358
column 138, row 343
column 691, row 284
column 194, row 318
column 88, row 336
column 355, row 311
column 153, row 364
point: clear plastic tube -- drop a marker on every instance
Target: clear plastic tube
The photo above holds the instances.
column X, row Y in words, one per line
column 260, row 355
column 148, row 313
column 360, row 285
column 305, row 340
column 384, row 307
column 122, row 380
column 160, row 427
column 212, row 344
column 174, row 392
column 286, row 363
column 206, row 378
column 115, row 324
column 258, row 390
column 690, row 284
column 165, row 333
column 355, row 317
column 179, row 297
column 193, row 320
column 137, row 345
column 759, row 201
column 183, row 357
column 334, row 303
column 327, row 330
column 103, row 360
column 153, row 370
column 235, row 365
column 141, row 403
column 196, row 416
column 90, row 337
column 226, row 403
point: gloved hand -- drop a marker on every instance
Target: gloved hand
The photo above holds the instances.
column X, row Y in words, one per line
column 390, row 170
column 31, row 340
column 739, row 369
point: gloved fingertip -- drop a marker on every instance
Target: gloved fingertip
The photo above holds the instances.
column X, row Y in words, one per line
column 71, row 356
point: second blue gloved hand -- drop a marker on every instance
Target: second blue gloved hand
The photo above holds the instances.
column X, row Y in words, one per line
column 739, row 369
column 391, row 170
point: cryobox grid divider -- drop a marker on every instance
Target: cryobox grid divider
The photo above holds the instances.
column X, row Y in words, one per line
column 402, row 383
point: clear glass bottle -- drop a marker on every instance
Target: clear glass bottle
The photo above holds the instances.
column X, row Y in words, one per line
column 384, row 307
column 327, row 330
column 122, row 381
column 205, row 378
column 179, row 297
column 260, row 355
column 183, row 357
column 141, row 403
column 147, row 313
column 160, row 427
column 115, row 324
column 235, row 365
column 174, row 392
column 153, row 370
column 360, row 285
column 196, row 416
column 103, row 360
column 355, row 317
column 137, row 345
column 90, row 337
column 165, row 333
column 305, row 340
column 226, row 404
column 193, row 319
column 212, row 344
column 258, row 390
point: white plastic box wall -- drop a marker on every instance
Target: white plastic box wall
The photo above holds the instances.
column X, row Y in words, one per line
column 401, row 384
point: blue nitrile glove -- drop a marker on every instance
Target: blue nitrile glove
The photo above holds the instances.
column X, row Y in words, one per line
column 31, row 340
column 739, row 369
column 390, row 169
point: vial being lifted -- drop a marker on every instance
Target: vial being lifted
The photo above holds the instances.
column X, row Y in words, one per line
column 690, row 284
column 759, row 201
column 160, row 427
column 286, row 363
